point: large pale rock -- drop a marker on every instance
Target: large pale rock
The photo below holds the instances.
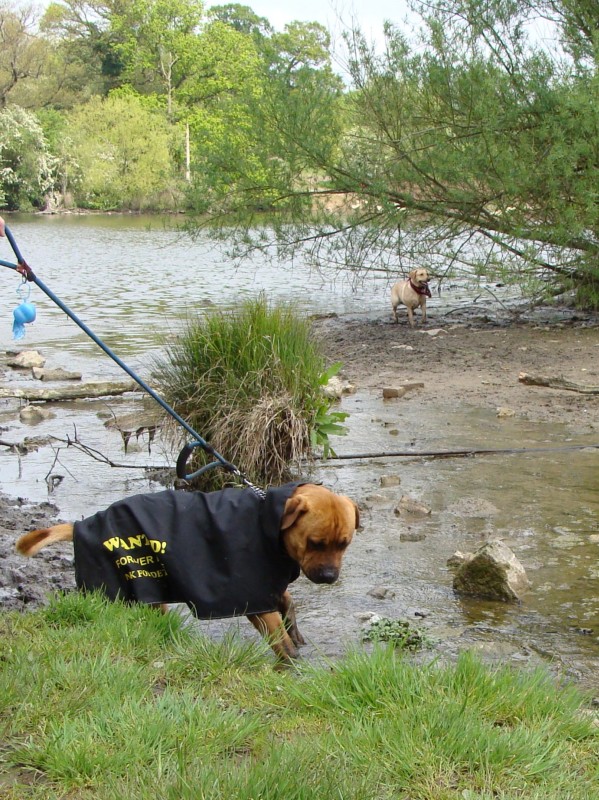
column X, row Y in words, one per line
column 27, row 359
column 493, row 573
column 389, row 480
column 390, row 392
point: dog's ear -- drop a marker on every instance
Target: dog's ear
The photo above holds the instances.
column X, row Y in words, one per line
column 412, row 273
column 294, row 507
column 357, row 510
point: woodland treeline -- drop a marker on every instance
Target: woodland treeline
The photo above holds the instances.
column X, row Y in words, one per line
column 468, row 140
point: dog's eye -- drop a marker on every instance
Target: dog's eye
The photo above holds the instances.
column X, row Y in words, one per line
column 316, row 545
column 342, row 545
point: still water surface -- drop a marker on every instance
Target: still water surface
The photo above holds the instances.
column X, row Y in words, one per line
column 134, row 281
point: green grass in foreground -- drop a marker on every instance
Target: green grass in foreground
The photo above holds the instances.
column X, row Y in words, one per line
column 100, row 700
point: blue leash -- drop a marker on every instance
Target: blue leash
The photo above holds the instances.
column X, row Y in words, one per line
column 28, row 275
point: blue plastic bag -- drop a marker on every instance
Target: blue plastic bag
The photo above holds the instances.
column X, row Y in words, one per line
column 23, row 313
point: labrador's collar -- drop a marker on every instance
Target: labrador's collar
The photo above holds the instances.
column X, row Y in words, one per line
column 421, row 289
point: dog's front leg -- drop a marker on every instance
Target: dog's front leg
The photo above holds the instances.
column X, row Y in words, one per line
column 287, row 609
column 272, row 627
column 410, row 317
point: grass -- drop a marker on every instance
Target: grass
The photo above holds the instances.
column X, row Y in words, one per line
column 111, row 702
column 250, row 382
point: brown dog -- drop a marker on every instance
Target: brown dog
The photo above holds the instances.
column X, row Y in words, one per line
column 411, row 293
column 224, row 553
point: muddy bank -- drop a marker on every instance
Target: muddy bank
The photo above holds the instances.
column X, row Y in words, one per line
column 26, row 584
column 476, row 361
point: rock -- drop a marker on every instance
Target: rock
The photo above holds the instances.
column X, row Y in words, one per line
column 459, row 558
column 493, row 573
column 389, row 480
column 503, row 412
column 412, row 536
column 336, row 387
column 376, row 498
column 407, row 505
column 27, row 359
column 367, row 617
column 433, row 331
column 390, row 393
column 31, row 444
column 35, row 414
column 41, row 374
column 411, row 386
column 381, row 593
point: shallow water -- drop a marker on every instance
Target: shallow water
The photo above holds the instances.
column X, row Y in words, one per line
column 544, row 505
column 133, row 285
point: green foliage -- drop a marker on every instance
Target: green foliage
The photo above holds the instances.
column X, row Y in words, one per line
column 397, row 632
column 250, row 381
column 475, row 151
column 106, row 701
column 158, row 43
column 327, row 421
column 124, row 154
column 23, row 55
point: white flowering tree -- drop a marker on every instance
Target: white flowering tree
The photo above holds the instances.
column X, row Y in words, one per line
column 27, row 169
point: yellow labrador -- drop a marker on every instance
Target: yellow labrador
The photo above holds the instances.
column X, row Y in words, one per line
column 411, row 293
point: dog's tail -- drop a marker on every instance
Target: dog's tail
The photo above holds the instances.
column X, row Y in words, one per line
column 31, row 543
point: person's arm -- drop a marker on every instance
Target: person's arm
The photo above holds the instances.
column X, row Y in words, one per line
column 1, row 227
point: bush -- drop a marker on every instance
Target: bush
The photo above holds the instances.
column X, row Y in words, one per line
column 251, row 382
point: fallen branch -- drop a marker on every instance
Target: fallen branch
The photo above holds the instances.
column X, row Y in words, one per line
column 97, row 455
column 557, row 383
column 79, row 392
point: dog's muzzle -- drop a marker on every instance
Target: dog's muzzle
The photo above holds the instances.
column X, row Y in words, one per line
column 323, row 575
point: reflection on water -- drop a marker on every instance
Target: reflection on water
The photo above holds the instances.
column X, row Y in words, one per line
column 133, row 282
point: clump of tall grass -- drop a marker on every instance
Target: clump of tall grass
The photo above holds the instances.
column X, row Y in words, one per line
column 250, row 382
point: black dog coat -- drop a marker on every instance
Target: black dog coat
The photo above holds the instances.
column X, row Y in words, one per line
column 219, row 552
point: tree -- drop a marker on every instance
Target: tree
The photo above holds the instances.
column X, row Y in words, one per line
column 301, row 46
column 88, row 40
column 159, row 43
column 26, row 167
column 123, row 148
column 472, row 148
column 256, row 95
column 242, row 19
column 22, row 53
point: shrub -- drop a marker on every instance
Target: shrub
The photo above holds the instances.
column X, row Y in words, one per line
column 251, row 383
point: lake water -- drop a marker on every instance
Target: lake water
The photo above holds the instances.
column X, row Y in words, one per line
column 134, row 281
